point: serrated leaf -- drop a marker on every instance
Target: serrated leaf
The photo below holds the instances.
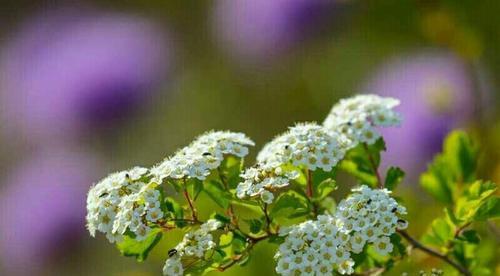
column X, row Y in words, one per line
column 139, row 249
column 290, row 204
column 490, row 209
column 393, row 177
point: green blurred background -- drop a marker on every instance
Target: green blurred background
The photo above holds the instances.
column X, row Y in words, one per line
column 250, row 66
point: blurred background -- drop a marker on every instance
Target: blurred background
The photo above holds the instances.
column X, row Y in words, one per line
column 90, row 87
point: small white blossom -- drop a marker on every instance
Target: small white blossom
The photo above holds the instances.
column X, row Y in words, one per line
column 370, row 216
column 307, row 144
column 173, row 267
column 357, row 117
column 263, row 180
column 202, row 156
column 194, row 245
column 120, row 202
column 314, row 248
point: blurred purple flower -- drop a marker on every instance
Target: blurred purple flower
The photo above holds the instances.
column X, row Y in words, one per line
column 259, row 29
column 436, row 96
column 42, row 207
column 63, row 73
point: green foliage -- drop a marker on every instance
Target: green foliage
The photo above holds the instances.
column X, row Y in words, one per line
column 393, row 177
column 218, row 193
column 451, row 179
column 363, row 161
column 454, row 167
column 290, row 204
column 130, row 247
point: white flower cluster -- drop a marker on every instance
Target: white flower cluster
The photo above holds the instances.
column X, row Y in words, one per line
column 357, row 117
column 321, row 246
column 307, row 144
column 122, row 201
column 370, row 216
column 314, row 248
column 263, row 181
column 202, row 155
column 194, row 244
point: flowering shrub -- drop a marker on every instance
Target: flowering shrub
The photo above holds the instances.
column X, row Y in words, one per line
column 285, row 198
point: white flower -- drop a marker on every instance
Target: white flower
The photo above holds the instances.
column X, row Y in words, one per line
column 194, row 245
column 312, row 247
column 173, row 267
column 346, row 267
column 357, row 117
column 204, row 154
column 383, row 245
column 120, row 202
column 307, row 144
column 267, row 197
column 261, row 180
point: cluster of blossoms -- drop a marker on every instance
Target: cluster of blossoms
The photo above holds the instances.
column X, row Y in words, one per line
column 370, row 216
column 262, row 181
column 321, row 246
column 307, row 144
column 314, row 248
column 195, row 244
column 123, row 201
column 202, row 155
column 358, row 116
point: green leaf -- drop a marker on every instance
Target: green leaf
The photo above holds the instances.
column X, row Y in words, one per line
column 360, row 161
column 470, row 236
column 255, row 225
column 355, row 170
column 230, row 169
column 393, row 177
column 456, row 165
column 324, row 189
column 461, row 154
column 441, row 231
column 139, row 249
column 490, row 209
column 436, row 182
column 399, row 247
column 176, row 210
column 290, row 204
column 477, row 202
column 221, row 218
column 217, row 193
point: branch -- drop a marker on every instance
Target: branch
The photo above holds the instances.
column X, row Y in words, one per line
column 230, row 210
column 251, row 243
column 380, row 183
column 436, row 254
column 190, row 202
column 268, row 219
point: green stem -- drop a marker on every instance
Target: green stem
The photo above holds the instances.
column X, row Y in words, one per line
column 380, row 183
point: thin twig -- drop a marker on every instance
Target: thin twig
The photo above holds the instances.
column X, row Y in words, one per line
column 230, row 210
column 436, row 254
column 380, row 183
column 191, row 205
column 268, row 219
column 251, row 243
